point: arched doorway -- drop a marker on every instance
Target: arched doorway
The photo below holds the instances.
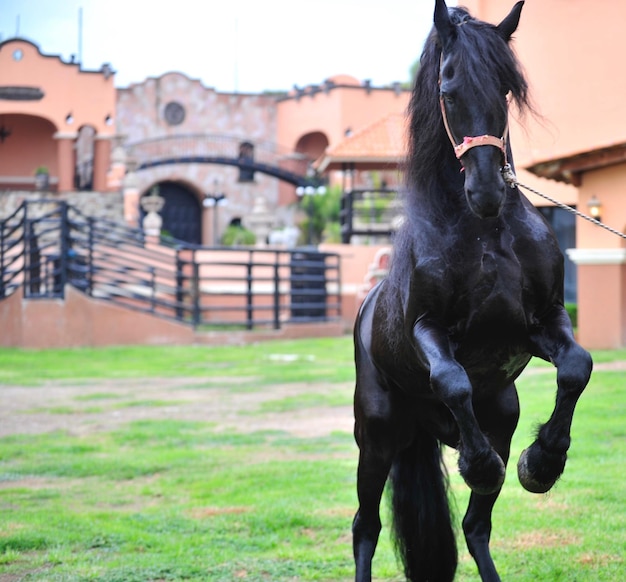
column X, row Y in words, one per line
column 181, row 213
column 26, row 143
column 83, row 156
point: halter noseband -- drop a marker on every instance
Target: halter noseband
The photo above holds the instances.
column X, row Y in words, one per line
column 460, row 149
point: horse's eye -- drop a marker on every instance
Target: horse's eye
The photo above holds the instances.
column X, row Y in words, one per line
column 449, row 99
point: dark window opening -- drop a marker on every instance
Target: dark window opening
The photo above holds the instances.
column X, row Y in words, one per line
column 564, row 225
column 246, row 159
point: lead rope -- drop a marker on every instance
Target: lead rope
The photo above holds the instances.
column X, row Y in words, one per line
column 511, row 179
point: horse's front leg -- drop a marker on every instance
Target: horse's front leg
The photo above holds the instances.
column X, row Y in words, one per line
column 543, row 462
column 479, row 464
column 498, row 417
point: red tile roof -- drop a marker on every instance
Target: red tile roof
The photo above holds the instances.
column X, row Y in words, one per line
column 377, row 146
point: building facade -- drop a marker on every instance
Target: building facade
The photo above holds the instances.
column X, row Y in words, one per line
column 214, row 157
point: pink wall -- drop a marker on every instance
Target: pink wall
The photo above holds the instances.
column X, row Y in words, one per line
column 88, row 95
column 81, row 321
column 333, row 111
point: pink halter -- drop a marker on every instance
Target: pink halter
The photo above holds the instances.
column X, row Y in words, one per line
column 471, row 142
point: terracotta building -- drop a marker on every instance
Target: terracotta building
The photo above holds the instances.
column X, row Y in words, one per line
column 106, row 148
column 172, row 133
column 55, row 119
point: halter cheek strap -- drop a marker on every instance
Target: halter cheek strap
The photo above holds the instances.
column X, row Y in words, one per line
column 460, row 149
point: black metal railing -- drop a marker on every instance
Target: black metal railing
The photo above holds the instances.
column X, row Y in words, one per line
column 46, row 245
column 369, row 213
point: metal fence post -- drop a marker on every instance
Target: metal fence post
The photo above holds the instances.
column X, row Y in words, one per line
column 90, row 252
column 195, row 291
column 179, row 286
column 152, row 272
column 249, row 302
column 347, row 212
column 64, row 250
column 277, row 291
column 2, row 289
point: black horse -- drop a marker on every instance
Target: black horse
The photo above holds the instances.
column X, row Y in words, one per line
column 475, row 289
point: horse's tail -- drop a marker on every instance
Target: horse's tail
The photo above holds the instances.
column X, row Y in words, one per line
column 422, row 523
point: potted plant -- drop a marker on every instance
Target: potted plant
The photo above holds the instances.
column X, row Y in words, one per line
column 42, row 178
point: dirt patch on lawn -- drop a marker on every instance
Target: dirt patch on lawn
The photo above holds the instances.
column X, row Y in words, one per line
column 103, row 405
column 230, row 403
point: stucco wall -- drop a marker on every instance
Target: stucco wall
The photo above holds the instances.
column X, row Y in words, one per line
column 81, row 321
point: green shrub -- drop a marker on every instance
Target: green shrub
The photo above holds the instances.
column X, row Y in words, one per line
column 238, row 236
column 572, row 311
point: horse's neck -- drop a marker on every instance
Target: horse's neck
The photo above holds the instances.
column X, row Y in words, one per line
column 452, row 178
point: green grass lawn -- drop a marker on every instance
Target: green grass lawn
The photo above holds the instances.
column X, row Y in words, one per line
column 172, row 499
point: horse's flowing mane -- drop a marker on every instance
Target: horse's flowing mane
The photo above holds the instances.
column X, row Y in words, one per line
column 487, row 64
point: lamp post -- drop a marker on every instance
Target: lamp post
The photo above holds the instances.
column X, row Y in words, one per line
column 214, row 200
column 310, row 191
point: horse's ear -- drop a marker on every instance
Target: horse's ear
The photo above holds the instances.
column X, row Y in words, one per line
column 444, row 26
column 509, row 25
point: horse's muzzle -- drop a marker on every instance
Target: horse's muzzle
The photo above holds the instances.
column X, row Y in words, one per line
column 486, row 203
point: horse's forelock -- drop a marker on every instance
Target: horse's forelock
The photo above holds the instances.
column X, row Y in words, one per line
column 488, row 63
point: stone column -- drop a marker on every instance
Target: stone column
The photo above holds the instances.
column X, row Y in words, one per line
column 131, row 199
column 117, row 172
column 101, row 162
column 66, row 161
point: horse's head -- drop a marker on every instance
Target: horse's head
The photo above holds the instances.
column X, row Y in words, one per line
column 477, row 72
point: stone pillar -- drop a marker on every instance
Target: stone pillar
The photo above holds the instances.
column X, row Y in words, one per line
column 117, row 172
column 601, row 297
column 131, row 199
column 66, row 161
column 101, row 162
column 207, row 226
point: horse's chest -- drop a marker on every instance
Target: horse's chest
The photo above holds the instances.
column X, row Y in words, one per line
column 495, row 273
column 491, row 287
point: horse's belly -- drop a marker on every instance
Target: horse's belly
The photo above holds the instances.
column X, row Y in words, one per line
column 492, row 365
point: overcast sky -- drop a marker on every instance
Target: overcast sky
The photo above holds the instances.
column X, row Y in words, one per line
column 242, row 45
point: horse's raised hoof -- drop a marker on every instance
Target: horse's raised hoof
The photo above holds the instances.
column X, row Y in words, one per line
column 539, row 470
column 484, row 473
